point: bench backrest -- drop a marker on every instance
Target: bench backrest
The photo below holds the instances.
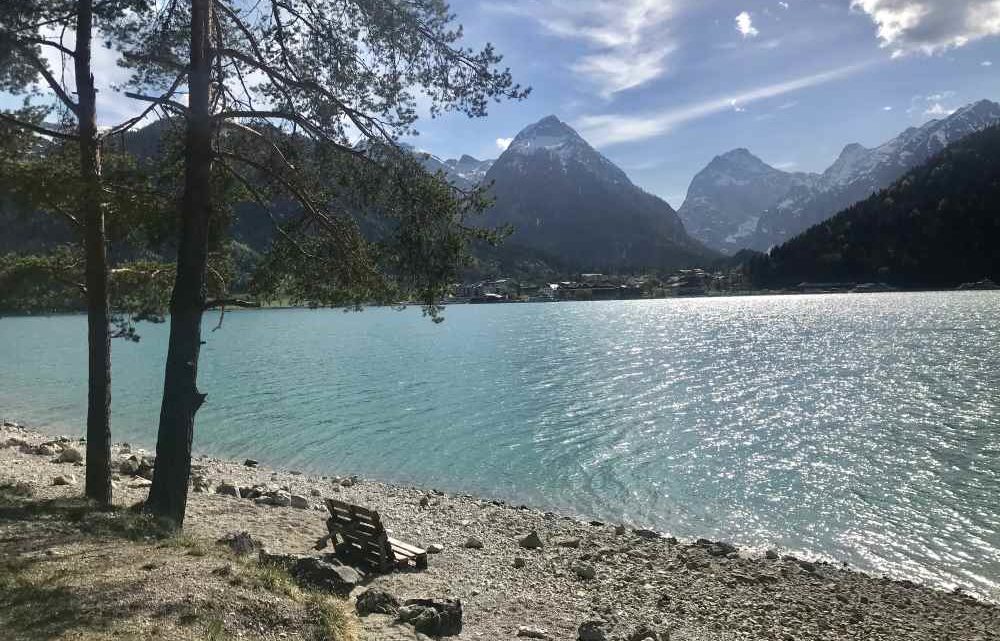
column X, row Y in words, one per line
column 362, row 529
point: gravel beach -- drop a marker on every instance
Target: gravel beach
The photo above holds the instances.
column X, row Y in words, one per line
column 631, row 584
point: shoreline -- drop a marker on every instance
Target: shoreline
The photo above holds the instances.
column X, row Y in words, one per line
column 699, row 590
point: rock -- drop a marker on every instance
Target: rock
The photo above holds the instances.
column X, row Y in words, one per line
column 531, row 542
column 570, row 542
column 771, row 555
column 620, row 530
column 64, row 479
column 532, row 633
column 276, row 559
column 140, row 483
column 435, row 548
column 250, row 492
column 584, row 570
column 644, row 632
column 250, row 463
column 281, row 499
column 349, row 481
column 146, row 466
column 338, row 579
column 299, row 502
column 15, row 442
column 200, row 484
column 721, row 548
column 315, row 492
column 264, row 500
column 129, row 467
column 375, row 601
column 651, row 535
column 424, row 501
column 241, row 543
column 228, row 489
column 432, row 617
column 594, row 630
column 473, row 543
column 519, row 562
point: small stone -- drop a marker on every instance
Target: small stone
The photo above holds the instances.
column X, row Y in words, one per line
column 531, row 542
column 721, row 548
column 644, row 633
column 519, row 562
column 571, row 542
column 532, row 633
column 69, row 455
column 584, row 570
column 315, row 492
column 647, row 534
column 251, row 462
column 375, row 601
column 435, row 548
column 473, row 543
column 771, row 555
column 592, row 631
column 620, row 530
column 348, row 482
column 424, row 501
column 64, row 479
column 299, row 502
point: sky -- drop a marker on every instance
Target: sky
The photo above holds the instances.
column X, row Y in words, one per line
column 663, row 86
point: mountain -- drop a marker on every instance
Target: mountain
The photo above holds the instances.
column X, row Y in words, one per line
column 937, row 226
column 465, row 172
column 858, row 172
column 565, row 199
column 726, row 198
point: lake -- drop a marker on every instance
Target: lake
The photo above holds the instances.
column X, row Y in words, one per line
column 863, row 428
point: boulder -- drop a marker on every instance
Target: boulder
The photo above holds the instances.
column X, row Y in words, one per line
column 519, row 562
column 241, row 543
column 64, row 479
column 68, row 455
column 274, row 559
column 325, row 575
column 349, row 481
column 644, row 632
column 250, row 463
column 532, row 633
column 299, row 502
column 436, row 618
column 228, row 489
column 375, row 601
column 146, row 466
column 721, row 548
column 568, row 542
column 771, row 555
column 531, row 542
column 435, row 548
column 473, row 543
column 584, row 570
column 281, row 499
column 651, row 535
column 593, row 630
column 129, row 467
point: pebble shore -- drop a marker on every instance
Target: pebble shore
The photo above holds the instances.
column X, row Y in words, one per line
column 621, row 581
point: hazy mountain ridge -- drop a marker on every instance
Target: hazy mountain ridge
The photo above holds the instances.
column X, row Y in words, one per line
column 721, row 214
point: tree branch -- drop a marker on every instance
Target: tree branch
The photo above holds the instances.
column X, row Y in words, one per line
column 51, row 133
column 230, row 302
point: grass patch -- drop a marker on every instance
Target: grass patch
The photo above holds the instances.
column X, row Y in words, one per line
column 334, row 621
column 272, row 578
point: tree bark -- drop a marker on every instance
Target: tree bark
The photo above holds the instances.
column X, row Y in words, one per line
column 181, row 398
column 98, row 483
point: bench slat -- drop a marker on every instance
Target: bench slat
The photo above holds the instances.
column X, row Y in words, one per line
column 406, row 546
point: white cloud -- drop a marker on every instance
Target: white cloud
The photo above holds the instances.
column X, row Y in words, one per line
column 736, row 106
column 628, row 40
column 744, row 24
column 783, row 5
column 886, row 108
column 930, row 26
column 610, row 129
column 785, row 166
column 986, row 63
column 503, row 143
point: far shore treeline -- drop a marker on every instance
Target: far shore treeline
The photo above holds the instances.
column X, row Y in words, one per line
column 256, row 112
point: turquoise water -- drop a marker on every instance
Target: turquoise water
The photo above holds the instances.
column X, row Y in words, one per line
column 861, row 427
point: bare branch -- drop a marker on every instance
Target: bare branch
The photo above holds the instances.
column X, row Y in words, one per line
column 51, row 133
column 128, row 124
column 230, row 302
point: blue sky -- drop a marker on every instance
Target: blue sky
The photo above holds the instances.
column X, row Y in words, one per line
column 662, row 86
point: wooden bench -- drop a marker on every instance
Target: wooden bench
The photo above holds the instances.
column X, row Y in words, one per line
column 357, row 533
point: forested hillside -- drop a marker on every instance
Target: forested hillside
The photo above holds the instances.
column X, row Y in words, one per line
column 938, row 226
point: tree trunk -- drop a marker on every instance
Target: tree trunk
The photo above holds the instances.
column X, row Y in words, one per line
column 181, row 398
column 98, row 484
